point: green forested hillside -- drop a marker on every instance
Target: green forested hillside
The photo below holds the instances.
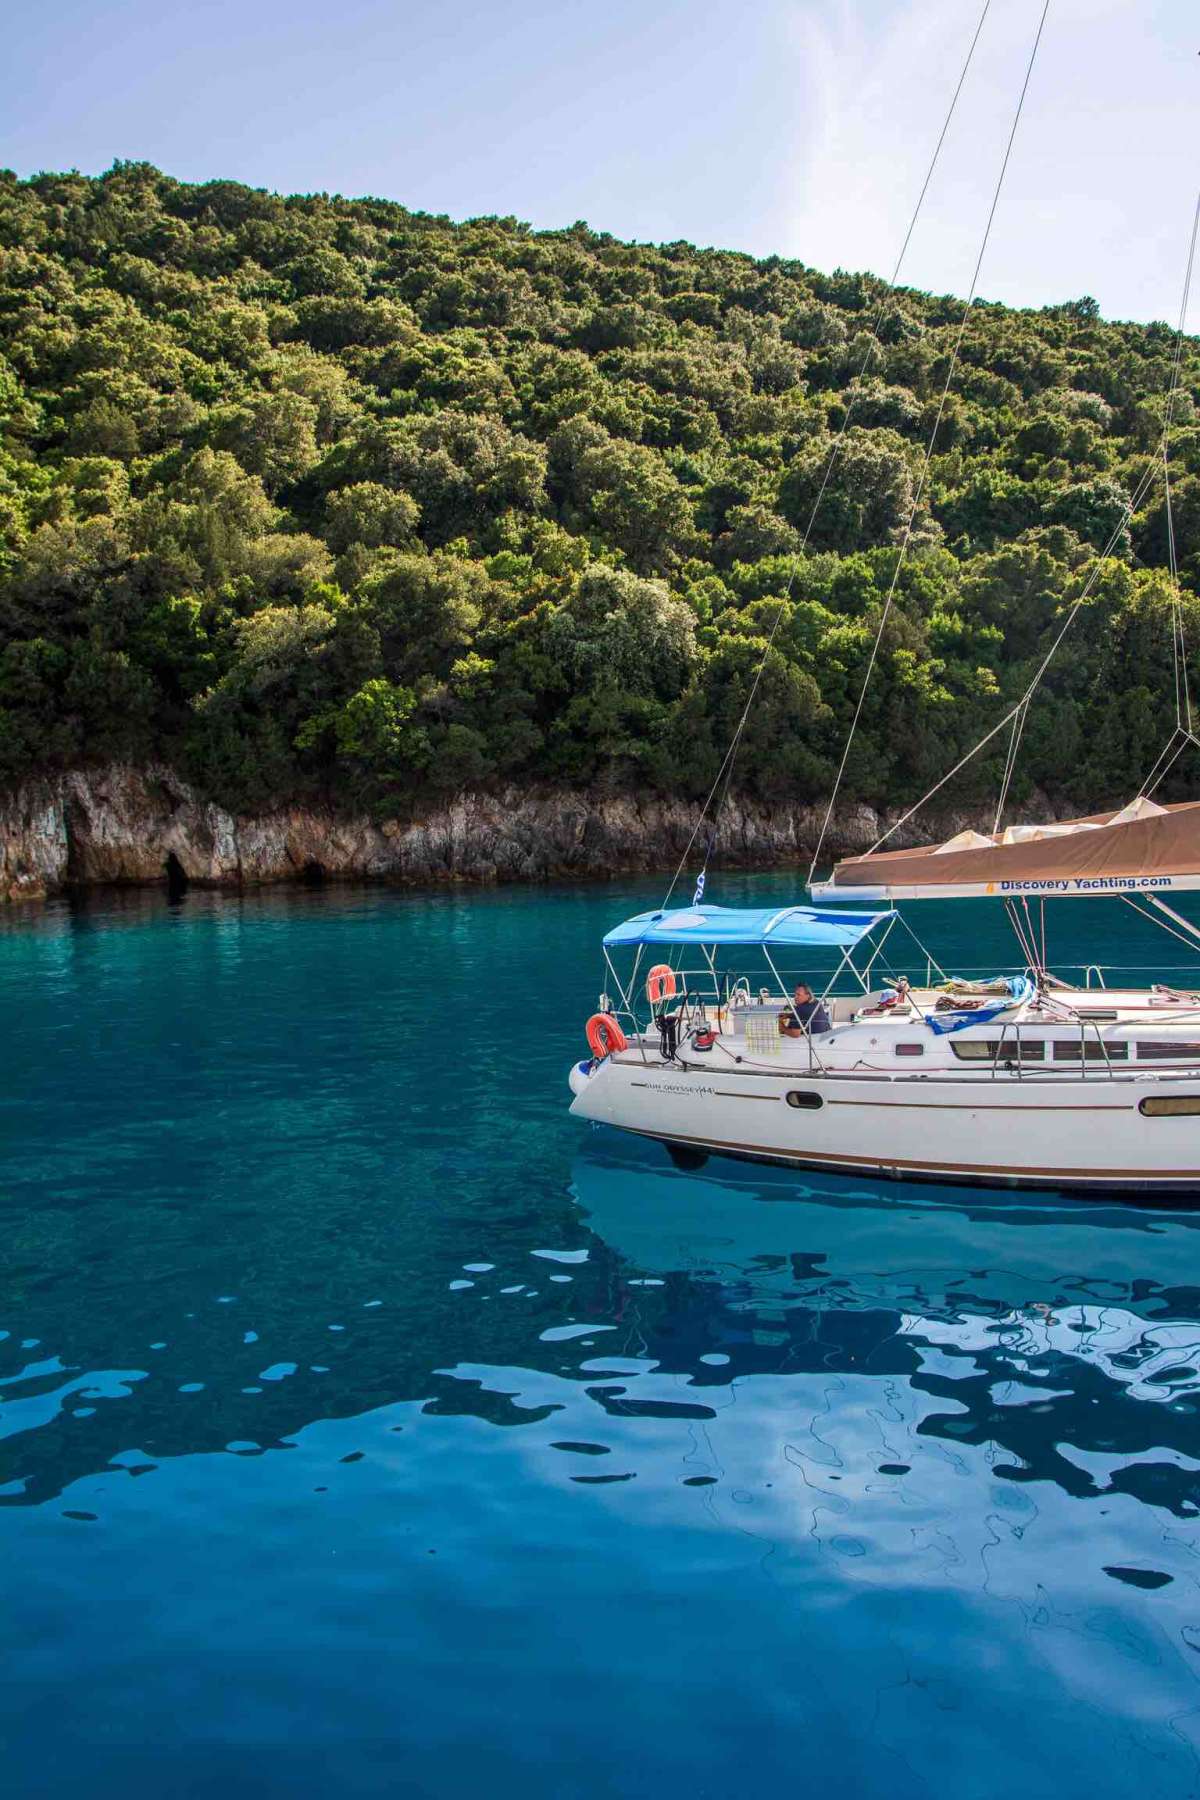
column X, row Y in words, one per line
column 313, row 495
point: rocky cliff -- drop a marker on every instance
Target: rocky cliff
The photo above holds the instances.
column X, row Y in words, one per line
column 125, row 825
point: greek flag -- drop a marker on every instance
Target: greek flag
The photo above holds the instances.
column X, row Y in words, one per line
column 698, row 896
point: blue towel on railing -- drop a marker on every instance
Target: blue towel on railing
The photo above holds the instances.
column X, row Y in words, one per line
column 943, row 1023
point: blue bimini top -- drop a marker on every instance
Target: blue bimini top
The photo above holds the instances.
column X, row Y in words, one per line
column 806, row 926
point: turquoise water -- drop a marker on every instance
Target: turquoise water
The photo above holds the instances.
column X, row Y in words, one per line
column 370, row 1427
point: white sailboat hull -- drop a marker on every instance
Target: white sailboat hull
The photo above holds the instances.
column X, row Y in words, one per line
column 1060, row 1131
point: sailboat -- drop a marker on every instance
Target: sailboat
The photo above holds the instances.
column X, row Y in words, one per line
column 1019, row 1079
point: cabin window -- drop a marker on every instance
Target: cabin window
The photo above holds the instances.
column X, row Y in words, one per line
column 987, row 1049
column 910, row 1049
column 807, row 1102
column 1089, row 1050
column 1166, row 1050
column 1170, row 1106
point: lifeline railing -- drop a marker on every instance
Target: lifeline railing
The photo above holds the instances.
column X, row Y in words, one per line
column 1087, row 1064
column 694, row 1001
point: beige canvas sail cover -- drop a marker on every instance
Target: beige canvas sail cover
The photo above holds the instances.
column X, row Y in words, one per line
column 1143, row 847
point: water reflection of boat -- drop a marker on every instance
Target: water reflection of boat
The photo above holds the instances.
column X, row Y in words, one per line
column 865, row 1242
column 1049, row 1328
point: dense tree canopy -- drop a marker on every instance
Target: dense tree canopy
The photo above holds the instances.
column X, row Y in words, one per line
column 322, row 496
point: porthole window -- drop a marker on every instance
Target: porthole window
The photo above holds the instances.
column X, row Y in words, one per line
column 910, row 1049
column 806, row 1102
column 1170, row 1106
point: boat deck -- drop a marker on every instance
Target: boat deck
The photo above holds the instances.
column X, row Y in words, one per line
column 1091, row 1032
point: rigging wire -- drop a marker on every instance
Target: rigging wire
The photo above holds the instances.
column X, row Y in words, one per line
column 1183, row 734
column 1183, row 704
column 1176, row 744
column 1183, row 712
column 1127, row 513
column 725, row 771
column 1017, row 714
column 1178, row 651
column 929, row 449
column 1010, row 763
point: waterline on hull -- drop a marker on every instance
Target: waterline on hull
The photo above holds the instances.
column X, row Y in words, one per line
column 1113, row 1181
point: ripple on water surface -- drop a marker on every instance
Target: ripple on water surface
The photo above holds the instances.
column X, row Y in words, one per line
column 363, row 1416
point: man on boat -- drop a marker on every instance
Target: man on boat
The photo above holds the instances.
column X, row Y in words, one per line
column 805, row 1014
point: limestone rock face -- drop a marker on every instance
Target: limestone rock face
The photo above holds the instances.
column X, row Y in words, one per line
column 33, row 841
column 122, row 824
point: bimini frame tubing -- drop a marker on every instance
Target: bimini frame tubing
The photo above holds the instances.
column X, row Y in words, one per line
column 897, row 918
column 863, row 976
column 627, row 996
column 846, row 962
column 812, row 1050
column 809, row 929
column 627, row 993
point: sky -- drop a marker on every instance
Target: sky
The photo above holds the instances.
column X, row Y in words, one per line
column 801, row 128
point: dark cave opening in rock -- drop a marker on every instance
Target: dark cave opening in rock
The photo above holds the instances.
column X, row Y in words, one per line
column 176, row 877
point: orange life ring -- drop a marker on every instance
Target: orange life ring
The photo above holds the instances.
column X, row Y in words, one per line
column 660, row 984
column 605, row 1036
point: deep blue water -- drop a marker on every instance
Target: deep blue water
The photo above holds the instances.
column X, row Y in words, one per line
column 369, row 1427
